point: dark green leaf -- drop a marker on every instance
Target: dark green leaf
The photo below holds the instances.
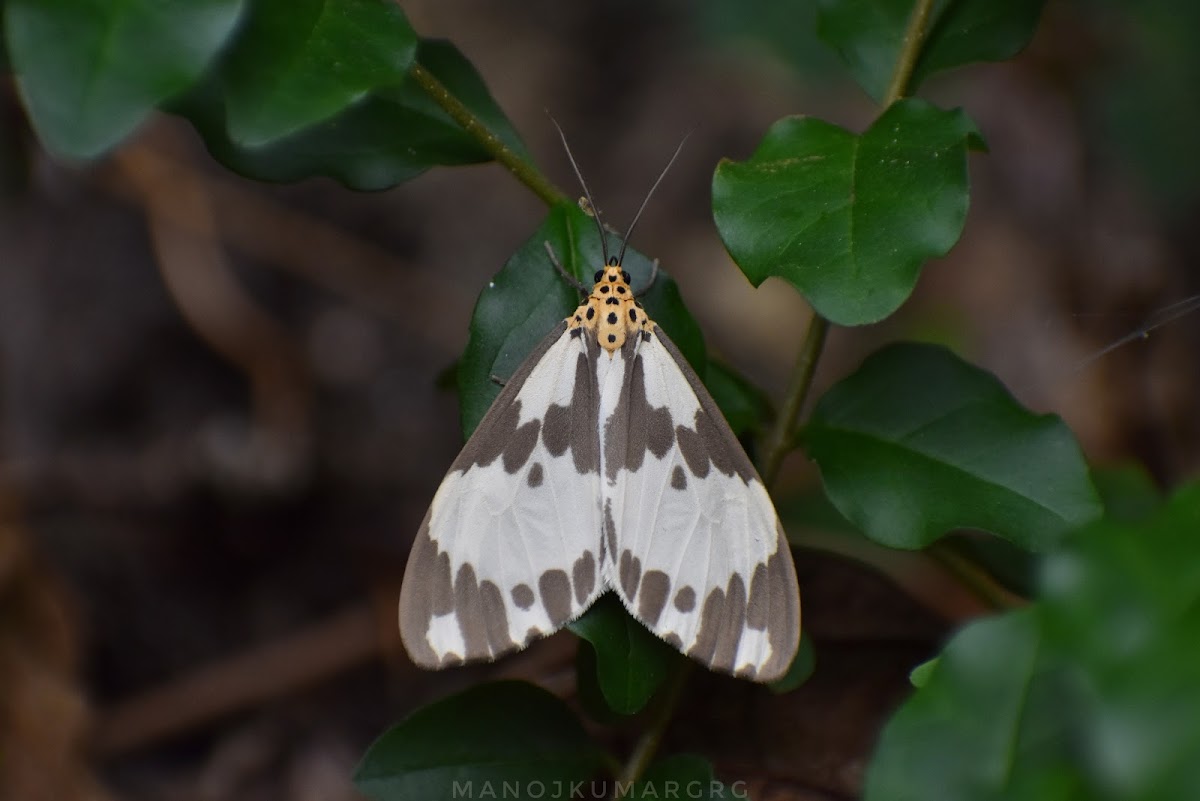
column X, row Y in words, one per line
column 386, row 138
column 683, row 776
column 918, row 442
column 848, row 220
column 1128, row 492
column 801, row 669
column 1089, row 694
column 631, row 662
column 746, row 407
column 1012, row 566
column 967, row 31
column 90, row 71
column 1122, row 610
column 869, row 34
column 528, row 297
column 959, row 736
column 298, row 62
column 476, row 743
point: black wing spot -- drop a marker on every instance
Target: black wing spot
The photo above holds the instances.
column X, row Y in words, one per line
column 621, row 290
column 596, row 278
column 612, row 301
column 612, row 318
column 591, row 312
column 632, row 315
column 612, row 337
column 578, row 319
column 612, row 277
column 604, row 289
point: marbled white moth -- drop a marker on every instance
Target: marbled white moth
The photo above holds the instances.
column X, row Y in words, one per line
column 604, row 464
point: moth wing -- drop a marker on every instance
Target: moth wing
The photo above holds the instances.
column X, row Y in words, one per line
column 509, row 549
column 698, row 554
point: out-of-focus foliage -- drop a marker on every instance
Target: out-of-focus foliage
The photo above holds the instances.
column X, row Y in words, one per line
column 1089, row 694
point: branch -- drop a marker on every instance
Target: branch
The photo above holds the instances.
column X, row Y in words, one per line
column 525, row 172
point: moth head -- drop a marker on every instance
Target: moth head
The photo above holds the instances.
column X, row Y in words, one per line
column 613, row 279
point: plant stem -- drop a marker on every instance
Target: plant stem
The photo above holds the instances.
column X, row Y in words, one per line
column 525, row 172
column 643, row 752
column 784, row 432
column 974, row 578
column 910, row 50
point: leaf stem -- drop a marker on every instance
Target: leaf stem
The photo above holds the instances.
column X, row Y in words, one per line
column 784, row 432
column 647, row 745
column 910, row 51
column 973, row 577
column 525, row 172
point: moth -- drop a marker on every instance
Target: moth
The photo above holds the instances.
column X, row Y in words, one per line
column 603, row 464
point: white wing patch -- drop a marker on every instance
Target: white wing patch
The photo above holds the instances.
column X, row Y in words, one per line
column 509, row 548
column 603, row 463
column 698, row 554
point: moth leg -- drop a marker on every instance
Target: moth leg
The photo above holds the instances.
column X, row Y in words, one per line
column 566, row 276
column 650, row 283
column 498, row 381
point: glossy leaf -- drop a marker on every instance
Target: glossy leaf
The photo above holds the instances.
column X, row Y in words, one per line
column 90, row 71
column 474, row 744
column 298, row 62
column 847, row 219
column 386, row 138
column 528, row 297
column 918, row 442
column 683, row 776
column 868, row 35
column 630, row 661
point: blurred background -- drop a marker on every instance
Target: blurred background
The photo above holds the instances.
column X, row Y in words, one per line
column 226, row 405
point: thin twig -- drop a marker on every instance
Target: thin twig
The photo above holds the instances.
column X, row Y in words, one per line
column 974, row 578
column 647, row 744
column 910, row 51
column 784, row 432
column 525, row 172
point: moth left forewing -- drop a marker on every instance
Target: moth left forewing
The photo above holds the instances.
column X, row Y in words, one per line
column 509, row 549
column 700, row 556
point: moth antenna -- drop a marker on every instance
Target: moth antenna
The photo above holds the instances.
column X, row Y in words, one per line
column 636, row 217
column 1167, row 314
column 587, row 192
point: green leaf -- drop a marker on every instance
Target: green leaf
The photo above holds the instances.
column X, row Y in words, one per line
column 476, row 743
column 918, row 442
column 1128, row 492
column 802, row 667
column 528, row 297
column 631, row 662
column 683, row 776
column 388, row 137
column 1122, row 611
column 1089, row 694
column 1012, row 566
column 869, row 34
column 848, row 220
column 959, row 736
column 746, row 407
column 89, row 71
column 298, row 62
column 919, row 676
